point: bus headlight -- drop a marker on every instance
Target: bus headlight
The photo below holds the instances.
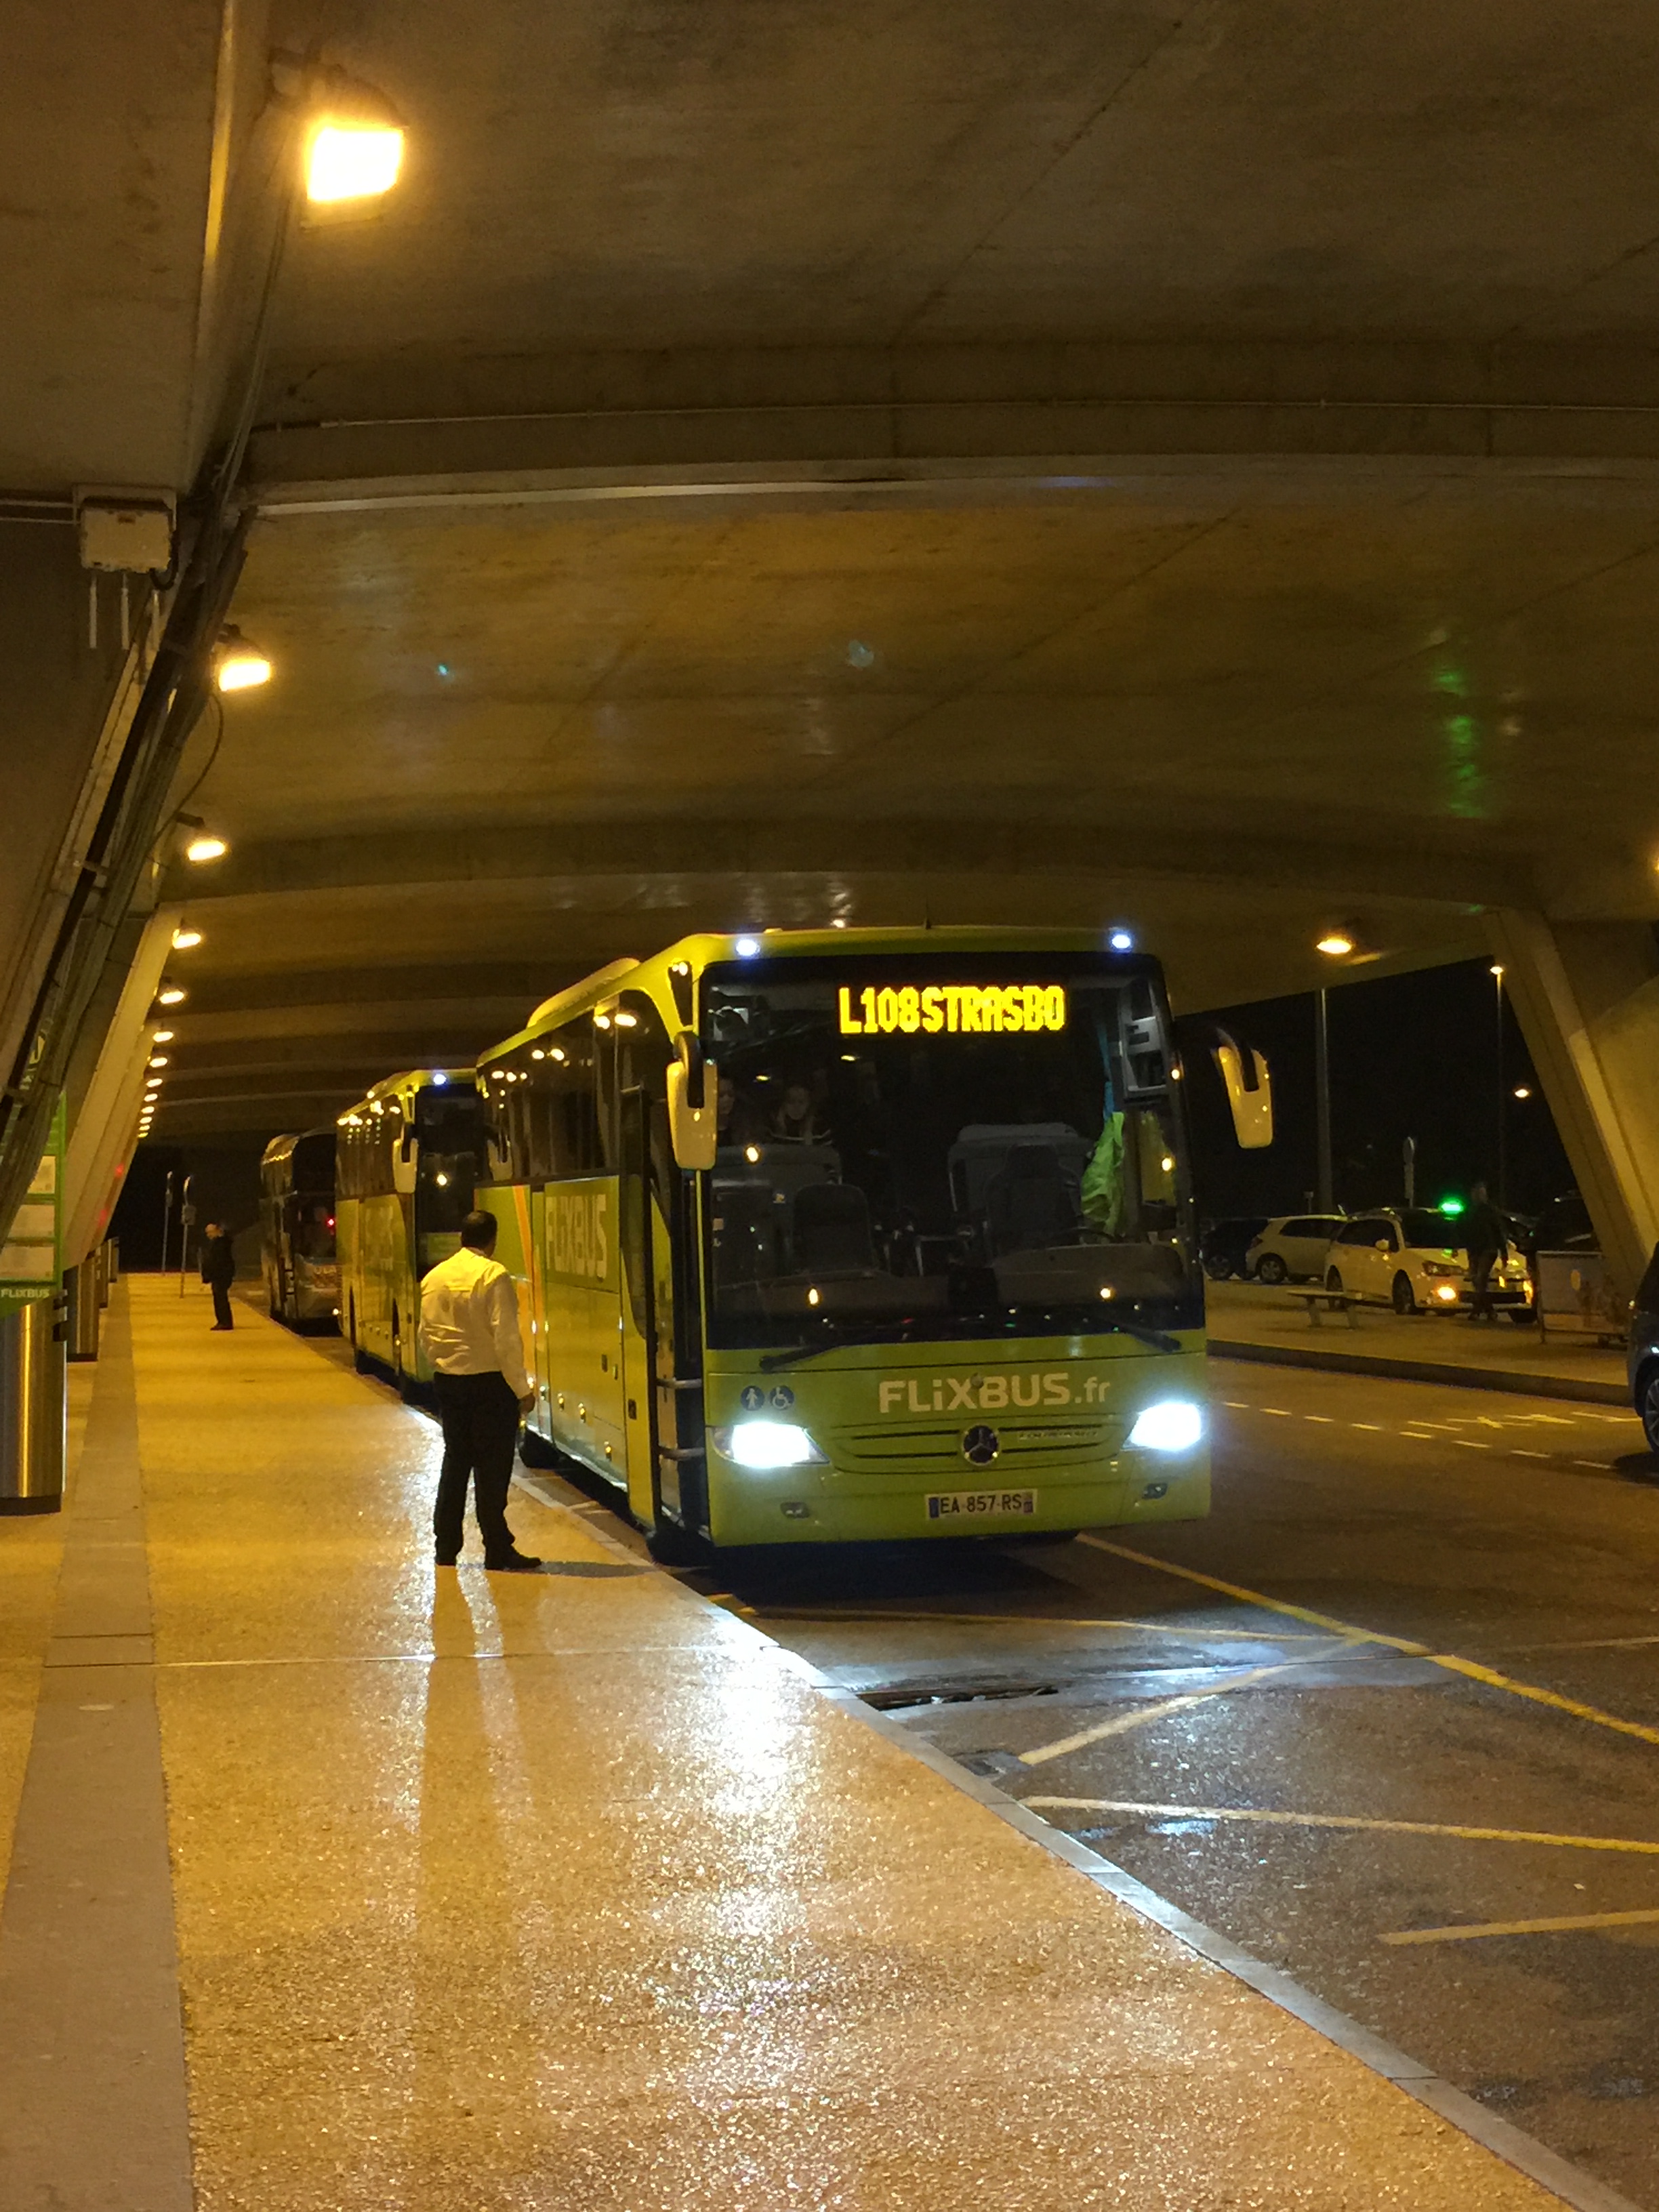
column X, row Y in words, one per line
column 764, row 1444
column 1175, row 1426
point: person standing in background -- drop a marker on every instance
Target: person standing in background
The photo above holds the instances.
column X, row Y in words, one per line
column 1485, row 1238
column 469, row 1329
column 219, row 1271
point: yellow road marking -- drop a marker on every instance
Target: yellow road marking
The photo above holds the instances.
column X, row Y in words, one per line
column 1449, row 1660
column 1324, row 1621
column 1125, row 1721
column 1349, row 1821
column 1564, row 1921
column 1048, row 1620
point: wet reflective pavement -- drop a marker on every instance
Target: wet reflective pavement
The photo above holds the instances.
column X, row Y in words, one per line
column 1393, row 1706
column 340, row 1883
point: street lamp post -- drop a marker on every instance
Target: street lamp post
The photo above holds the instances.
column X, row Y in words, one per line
column 1502, row 1116
column 1322, row 1099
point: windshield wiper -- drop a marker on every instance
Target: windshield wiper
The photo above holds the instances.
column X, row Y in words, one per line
column 895, row 1333
column 1155, row 1340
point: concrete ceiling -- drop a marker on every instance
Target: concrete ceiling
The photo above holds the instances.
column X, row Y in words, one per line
column 943, row 460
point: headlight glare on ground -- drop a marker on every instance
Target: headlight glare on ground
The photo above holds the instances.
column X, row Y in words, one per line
column 1176, row 1424
column 765, row 1444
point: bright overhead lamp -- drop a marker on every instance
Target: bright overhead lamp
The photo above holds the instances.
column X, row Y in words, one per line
column 161, row 1036
column 238, row 666
column 184, row 940
column 1336, row 944
column 158, row 1060
column 202, row 849
column 173, row 996
column 1523, row 1091
column 348, row 160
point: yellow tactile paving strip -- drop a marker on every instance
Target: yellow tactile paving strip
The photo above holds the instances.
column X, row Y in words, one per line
column 524, row 1895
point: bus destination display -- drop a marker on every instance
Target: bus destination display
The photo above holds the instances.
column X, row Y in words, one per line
column 955, row 1009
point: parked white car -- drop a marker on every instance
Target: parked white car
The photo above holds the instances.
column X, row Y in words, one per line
column 1403, row 1257
column 1291, row 1248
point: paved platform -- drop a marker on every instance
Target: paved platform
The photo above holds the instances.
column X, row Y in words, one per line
column 338, row 1884
column 1248, row 1321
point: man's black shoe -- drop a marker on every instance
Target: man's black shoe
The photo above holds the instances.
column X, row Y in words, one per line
column 214, row 1327
column 515, row 1563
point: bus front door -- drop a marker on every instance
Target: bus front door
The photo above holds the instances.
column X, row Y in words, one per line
column 664, row 1391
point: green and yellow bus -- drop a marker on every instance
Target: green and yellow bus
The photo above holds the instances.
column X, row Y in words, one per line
column 835, row 1235
column 408, row 1156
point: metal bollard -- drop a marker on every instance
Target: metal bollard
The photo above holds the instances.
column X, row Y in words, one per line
column 33, row 1416
column 113, row 1246
column 81, row 1284
column 100, row 1260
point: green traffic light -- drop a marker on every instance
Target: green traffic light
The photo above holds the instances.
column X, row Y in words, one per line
column 1451, row 1205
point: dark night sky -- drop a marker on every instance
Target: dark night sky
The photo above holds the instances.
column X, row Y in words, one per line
column 1411, row 1056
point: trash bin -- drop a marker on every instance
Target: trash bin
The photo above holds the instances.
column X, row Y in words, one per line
column 32, row 1407
column 82, row 1284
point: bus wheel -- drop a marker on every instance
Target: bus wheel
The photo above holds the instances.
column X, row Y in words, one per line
column 670, row 1546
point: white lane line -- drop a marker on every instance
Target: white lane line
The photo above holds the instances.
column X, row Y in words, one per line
column 1356, row 1822
column 1564, row 1922
column 1238, row 1405
column 1280, row 1412
column 1329, row 1419
column 1376, row 1427
column 1471, row 1443
column 1125, row 1721
column 1600, row 1466
column 1519, row 1451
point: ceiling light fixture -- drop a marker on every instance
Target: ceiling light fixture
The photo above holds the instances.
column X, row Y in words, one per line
column 200, row 850
column 238, row 665
column 173, row 996
column 354, row 136
column 184, row 940
column 161, row 1036
column 1336, row 944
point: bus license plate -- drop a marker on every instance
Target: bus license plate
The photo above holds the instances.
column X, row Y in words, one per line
column 980, row 1505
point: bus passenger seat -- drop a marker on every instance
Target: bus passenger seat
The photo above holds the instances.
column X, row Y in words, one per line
column 832, row 1228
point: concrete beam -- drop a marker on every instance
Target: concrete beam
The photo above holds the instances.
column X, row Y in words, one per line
column 401, row 431
column 680, row 846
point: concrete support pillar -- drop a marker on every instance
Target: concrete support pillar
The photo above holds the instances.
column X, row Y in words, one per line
column 1587, row 996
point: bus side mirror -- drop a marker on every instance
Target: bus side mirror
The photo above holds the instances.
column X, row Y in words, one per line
column 403, row 1163
column 693, row 1105
column 1249, row 1093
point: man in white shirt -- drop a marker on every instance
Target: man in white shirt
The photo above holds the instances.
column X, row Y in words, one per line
column 469, row 1331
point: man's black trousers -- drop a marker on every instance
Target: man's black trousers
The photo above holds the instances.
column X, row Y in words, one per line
column 222, row 1313
column 480, row 1416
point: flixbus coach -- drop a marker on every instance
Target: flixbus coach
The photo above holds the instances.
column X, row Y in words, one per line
column 835, row 1235
column 407, row 1157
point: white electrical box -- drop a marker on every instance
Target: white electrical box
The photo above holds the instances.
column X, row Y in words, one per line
column 129, row 532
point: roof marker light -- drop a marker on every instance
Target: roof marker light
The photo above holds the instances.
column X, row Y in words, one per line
column 746, row 947
column 1122, row 940
column 438, row 1079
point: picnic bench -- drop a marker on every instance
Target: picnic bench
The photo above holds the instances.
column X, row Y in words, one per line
column 1342, row 1302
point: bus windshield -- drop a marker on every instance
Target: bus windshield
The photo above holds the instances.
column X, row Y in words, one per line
column 908, row 1148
